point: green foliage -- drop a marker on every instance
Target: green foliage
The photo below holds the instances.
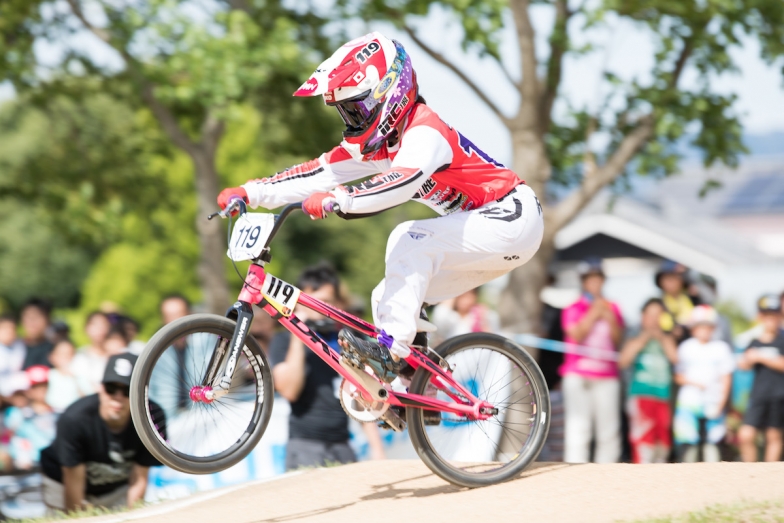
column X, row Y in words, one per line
column 694, row 34
column 80, row 159
column 35, row 260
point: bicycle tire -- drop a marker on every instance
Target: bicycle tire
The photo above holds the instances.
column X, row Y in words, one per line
column 416, row 417
column 140, row 379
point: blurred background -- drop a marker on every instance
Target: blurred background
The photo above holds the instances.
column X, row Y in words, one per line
column 652, row 131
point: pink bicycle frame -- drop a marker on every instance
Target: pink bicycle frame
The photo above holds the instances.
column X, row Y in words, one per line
column 464, row 402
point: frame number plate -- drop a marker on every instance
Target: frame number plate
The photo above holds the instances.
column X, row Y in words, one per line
column 281, row 295
column 249, row 236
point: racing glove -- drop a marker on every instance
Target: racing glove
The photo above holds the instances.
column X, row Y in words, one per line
column 318, row 204
column 226, row 195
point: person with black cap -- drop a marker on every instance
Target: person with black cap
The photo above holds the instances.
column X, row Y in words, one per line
column 97, row 457
column 765, row 355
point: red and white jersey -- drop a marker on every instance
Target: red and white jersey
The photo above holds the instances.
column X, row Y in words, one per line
column 432, row 163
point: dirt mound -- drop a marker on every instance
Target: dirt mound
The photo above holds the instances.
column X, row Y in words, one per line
column 406, row 491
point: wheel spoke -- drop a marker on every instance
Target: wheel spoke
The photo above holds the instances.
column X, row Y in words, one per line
column 200, row 434
column 497, row 447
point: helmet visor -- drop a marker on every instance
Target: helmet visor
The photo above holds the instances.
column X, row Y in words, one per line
column 357, row 112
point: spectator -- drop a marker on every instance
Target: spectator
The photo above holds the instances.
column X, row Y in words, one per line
column 704, row 373
column 59, row 331
column 550, row 362
column 462, row 315
column 765, row 355
column 90, row 361
column 318, row 426
column 174, row 307
column 591, row 387
column 35, row 322
column 175, row 361
column 116, row 341
column 671, row 279
column 648, row 404
column 31, row 423
column 262, row 328
column 65, row 387
column 12, row 352
column 97, row 456
column 131, row 329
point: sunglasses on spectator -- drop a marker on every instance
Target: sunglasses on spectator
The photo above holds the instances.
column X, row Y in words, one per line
column 113, row 388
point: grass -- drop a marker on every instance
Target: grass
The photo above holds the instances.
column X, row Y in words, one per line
column 743, row 512
column 89, row 512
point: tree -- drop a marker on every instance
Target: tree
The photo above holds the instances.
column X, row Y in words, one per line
column 189, row 64
column 640, row 120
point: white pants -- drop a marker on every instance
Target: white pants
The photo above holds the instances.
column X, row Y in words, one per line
column 428, row 261
column 591, row 405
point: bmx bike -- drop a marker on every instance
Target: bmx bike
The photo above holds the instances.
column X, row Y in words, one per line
column 201, row 392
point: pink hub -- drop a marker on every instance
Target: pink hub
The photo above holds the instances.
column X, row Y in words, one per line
column 200, row 394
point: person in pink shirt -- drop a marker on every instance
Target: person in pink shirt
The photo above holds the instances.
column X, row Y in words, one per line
column 591, row 385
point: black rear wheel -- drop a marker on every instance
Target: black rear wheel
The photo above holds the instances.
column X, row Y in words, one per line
column 168, row 408
column 478, row 453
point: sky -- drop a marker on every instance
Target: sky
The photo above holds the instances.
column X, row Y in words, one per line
column 623, row 48
column 626, row 50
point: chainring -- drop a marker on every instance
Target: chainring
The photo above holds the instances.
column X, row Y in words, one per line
column 356, row 407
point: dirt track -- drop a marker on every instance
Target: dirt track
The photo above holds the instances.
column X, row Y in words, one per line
column 547, row 492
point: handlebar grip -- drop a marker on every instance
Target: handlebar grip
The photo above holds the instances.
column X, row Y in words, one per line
column 332, row 207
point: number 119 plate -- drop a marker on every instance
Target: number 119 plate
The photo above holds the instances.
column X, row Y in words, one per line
column 249, row 236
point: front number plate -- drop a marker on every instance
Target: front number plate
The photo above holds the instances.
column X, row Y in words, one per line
column 249, row 236
column 281, row 295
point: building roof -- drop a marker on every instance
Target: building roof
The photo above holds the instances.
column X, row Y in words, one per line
column 672, row 221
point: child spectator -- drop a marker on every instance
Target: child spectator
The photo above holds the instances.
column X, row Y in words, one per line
column 116, row 341
column 12, row 352
column 462, row 315
column 32, row 426
column 704, row 372
column 64, row 386
column 35, row 323
column 591, row 386
column 765, row 355
column 648, row 405
column 671, row 279
column 90, row 361
column 131, row 329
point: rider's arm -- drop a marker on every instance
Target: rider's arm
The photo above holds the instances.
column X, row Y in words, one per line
column 297, row 183
column 423, row 150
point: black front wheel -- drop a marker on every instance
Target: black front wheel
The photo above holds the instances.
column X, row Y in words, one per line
column 477, row 453
column 189, row 427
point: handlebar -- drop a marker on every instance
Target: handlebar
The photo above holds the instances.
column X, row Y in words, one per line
column 239, row 205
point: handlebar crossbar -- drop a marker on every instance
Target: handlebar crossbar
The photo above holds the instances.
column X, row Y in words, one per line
column 282, row 218
column 239, row 205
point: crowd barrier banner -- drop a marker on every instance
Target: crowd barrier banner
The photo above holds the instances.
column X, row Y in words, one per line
column 267, row 460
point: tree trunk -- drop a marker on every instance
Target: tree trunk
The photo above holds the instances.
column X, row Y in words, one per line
column 520, row 307
column 211, row 270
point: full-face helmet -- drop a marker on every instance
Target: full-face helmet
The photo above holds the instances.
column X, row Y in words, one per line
column 371, row 83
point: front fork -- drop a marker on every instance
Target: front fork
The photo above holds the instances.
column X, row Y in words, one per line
column 223, row 362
